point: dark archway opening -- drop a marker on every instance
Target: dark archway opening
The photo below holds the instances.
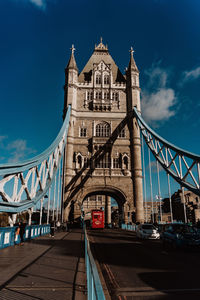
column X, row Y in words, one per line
column 111, row 204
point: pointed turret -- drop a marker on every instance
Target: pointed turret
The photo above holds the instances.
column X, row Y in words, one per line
column 132, row 65
column 71, row 81
column 72, row 62
column 133, row 85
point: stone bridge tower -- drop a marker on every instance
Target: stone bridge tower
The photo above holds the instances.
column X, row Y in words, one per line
column 103, row 152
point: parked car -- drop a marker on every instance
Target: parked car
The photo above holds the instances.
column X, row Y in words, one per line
column 147, row 231
column 180, row 235
column 161, row 228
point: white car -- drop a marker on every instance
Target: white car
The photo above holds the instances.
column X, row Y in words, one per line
column 147, row 231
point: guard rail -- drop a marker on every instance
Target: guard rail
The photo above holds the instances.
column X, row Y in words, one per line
column 8, row 235
column 94, row 286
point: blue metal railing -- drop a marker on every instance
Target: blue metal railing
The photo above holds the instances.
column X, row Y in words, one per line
column 94, row 286
column 8, row 235
column 19, row 191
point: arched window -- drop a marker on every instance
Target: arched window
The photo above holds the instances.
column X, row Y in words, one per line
column 125, row 162
column 103, row 129
column 79, row 161
column 98, row 79
column 106, row 79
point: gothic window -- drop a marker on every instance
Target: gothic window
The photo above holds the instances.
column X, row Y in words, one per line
column 98, row 79
column 104, row 163
column 122, row 133
column 115, row 96
column 125, row 162
column 89, row 95
column 98, row 95
column 103, row 129
column 83, row 132
column 106, row 79
column 116, row 164
column 79, row 161
column 106, row 95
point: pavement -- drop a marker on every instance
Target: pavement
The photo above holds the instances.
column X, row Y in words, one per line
column 45, row 268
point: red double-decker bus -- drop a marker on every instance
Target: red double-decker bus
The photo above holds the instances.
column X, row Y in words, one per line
column 97, row 218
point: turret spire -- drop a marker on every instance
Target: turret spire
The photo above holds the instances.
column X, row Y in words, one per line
column 72, row 48
column 101, row 46
column 72, row 62
column 132, row 64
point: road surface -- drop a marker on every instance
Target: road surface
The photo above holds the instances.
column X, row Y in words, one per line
column 142, row 269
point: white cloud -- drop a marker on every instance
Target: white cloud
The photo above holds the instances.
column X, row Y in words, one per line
column 18, row 151
column 158, row 99
column 157, row 77
column 39, row 3
column 158, row 106
column 191, row 75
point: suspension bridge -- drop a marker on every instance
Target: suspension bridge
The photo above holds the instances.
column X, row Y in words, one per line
column 63, row 177
column 25, row 185
column 30, row 181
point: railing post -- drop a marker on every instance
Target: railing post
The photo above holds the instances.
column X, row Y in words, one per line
column 54, row 200
column 48, row 206
column 30, row 211
column 58, row 193
column 41, row 207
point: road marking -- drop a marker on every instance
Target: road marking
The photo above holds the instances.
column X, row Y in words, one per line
column 113, row 281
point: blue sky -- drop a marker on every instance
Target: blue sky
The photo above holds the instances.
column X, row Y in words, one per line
column 36, row 37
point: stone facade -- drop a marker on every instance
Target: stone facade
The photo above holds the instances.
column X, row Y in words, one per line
column 103, row 152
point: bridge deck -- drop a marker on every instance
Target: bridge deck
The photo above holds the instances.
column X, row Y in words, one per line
column 44, row 268
column 143, row 269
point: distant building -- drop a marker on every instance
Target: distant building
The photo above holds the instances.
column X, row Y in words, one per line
column 192, row 206
column 152, row 211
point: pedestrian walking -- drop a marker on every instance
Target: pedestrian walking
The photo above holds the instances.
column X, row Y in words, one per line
column 52, row 228
column 58, row 225
column 22, row 227
column 17, row 232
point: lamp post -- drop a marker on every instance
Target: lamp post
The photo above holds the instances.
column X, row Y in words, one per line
column 160, row 198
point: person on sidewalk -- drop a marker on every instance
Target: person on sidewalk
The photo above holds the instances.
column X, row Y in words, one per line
column 58, row 225
column 52, row 228
column 22, row 226
column 17, row 230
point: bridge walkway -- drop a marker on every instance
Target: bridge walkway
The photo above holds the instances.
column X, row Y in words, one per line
column 45, row 268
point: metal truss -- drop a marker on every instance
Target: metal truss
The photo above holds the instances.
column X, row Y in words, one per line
column 23, row 184
column 182, row 165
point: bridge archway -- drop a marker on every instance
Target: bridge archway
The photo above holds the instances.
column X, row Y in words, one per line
column 109, row 191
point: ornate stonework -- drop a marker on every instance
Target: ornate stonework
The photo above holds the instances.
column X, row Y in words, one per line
column 103, row 154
